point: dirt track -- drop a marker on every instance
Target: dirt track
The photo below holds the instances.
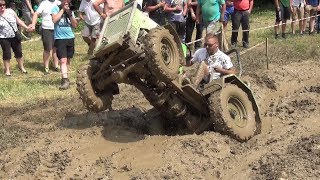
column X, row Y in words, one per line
column 60, row 139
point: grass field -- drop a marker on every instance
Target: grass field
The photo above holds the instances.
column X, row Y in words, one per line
column 35, row 86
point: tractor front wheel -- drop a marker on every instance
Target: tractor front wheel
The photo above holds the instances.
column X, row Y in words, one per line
column 232, row 113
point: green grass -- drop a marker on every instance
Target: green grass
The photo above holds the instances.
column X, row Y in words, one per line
column 34, row 86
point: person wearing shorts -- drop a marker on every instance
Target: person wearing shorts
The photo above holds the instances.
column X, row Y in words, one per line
column 92, row 27
column 311, row 9
column 64, row 21
column 47, row 33
column 8, row 40
column 297, row 15
column 283, row 9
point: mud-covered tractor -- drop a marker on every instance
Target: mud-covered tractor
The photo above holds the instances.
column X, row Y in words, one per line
column 133, row 49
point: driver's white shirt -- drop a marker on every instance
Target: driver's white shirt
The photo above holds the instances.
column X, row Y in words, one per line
column 218, row 59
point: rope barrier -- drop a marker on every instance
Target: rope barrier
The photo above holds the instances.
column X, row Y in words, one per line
column 256, row 29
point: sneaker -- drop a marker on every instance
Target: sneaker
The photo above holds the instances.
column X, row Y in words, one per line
column 276, row 36
column 65, row 84
column 46, row 71
column 245, row 45
column 283, row 35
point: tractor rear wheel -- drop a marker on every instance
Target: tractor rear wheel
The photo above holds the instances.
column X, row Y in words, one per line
column 232, row 113
column 93, row 100
column 162, row 53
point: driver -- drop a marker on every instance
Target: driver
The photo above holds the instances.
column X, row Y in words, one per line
column 213, row 62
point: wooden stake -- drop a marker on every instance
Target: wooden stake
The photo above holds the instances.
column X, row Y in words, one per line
column 267, row 52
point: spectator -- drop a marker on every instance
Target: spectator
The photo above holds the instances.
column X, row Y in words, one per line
column 27, row 13
column 47, row 33
column 92, row 27
column 155, row 10
column 8, row 39
column 228, row 13
column 64, row 20
column 282, row 15
column 242, row 11
column 191, row 23
column 213, row 62
column 297, row 11
column 212, row 14
column 310, row 12
column 177, row 10
column 109, row 7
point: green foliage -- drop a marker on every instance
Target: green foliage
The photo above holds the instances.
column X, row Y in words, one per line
column 79, row 27
column 262, row 3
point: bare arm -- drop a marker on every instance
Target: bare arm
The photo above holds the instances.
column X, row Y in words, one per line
column 250, row 6
column 155, row 7
column 276, row 3
column 34, row 19
column 57, row 17
column 198, row 14
column 223, row 10
column 185, row 9
column 96, row 5
column 29, row 6
column 226, row 71
column 81, row 15
column 168, row 8
column 20, row 22
column 73, row 20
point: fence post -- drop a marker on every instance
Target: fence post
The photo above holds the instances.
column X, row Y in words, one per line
column 267, row 52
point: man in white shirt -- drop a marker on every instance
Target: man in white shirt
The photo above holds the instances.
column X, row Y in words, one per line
column 213, row 62
column 92, row 19
column 47, row 33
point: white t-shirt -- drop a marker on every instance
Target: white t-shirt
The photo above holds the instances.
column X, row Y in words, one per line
column 44, row 10
column 218, row 59
column 92, row 16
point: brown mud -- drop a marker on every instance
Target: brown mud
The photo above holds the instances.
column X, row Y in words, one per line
column 60, row 139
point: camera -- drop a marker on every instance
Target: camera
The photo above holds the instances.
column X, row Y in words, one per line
column 72, row 7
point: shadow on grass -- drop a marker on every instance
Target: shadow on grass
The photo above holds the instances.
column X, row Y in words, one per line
column 37, row 66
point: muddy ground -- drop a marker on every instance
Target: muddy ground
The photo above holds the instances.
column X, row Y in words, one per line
column 59, row 139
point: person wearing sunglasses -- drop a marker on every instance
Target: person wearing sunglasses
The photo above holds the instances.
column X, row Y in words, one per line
column 8, row 38
column 212, row 63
